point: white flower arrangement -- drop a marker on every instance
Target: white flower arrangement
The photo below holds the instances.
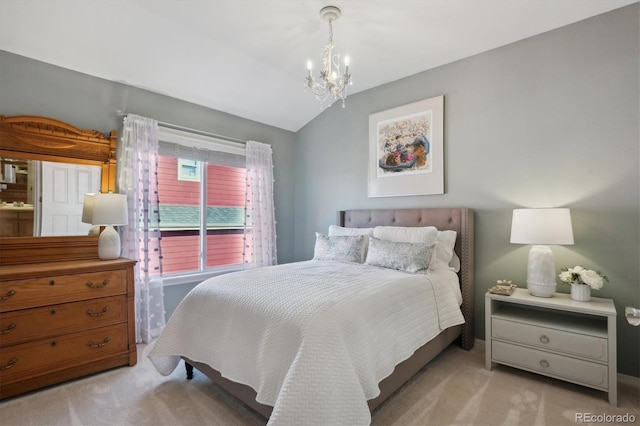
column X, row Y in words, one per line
column 580, row 275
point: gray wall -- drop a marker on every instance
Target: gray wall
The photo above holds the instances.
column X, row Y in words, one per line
column 549, row 121
column 34, row 88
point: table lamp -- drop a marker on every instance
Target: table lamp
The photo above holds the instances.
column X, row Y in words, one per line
column 541, row 227
column 109, row 210
column 87, row 213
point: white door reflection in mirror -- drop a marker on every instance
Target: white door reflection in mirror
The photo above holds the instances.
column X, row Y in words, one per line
column 63, row 188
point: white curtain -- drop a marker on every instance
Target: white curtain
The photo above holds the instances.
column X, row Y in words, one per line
column 260, row 221
column 138, row 179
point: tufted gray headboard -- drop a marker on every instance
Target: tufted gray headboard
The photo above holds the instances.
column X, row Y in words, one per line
column 455, row 219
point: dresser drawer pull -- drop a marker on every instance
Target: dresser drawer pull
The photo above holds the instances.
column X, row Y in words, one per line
column 11, row 363
column 9, row 329
column 544, row 339
column 98, row 314
column 102, row 284
column 10, row 293
column 544, row 363
column 52, row 282
column 98, row 345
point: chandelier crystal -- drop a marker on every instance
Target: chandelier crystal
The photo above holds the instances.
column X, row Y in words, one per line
column 332, row 84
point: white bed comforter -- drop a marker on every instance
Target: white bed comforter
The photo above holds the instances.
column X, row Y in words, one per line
column 313, row 338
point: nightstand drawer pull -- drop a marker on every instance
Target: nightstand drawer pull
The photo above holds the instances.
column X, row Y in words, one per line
column 99, row 345
column 10, row 293
column 544, row 363
column 52, row 282
column 11, row 363
column 98, row 314
column 9, row 329
column 544, row 339
column 92, row 285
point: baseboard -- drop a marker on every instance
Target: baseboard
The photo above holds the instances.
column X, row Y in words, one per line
column 629, row 380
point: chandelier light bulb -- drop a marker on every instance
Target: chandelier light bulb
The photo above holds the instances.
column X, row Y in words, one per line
column 309, row 65
column 347, row 60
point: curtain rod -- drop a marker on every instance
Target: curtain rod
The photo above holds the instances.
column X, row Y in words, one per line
column 190, row 130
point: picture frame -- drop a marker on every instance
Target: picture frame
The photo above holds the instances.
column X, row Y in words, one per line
column 406, row 154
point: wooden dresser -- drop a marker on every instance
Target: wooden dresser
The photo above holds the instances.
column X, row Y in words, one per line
column 63, row 320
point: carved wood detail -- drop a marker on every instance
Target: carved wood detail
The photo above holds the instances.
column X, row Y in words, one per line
column 46, row 137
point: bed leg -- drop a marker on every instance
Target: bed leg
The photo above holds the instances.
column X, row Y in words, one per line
column 189, row 368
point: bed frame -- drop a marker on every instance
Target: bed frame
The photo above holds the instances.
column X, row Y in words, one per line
column 455, row 219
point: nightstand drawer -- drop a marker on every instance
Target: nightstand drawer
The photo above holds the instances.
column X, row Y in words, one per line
column 562, row 367
column 570, row 343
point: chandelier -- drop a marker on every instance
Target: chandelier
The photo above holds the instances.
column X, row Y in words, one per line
column 331, row 84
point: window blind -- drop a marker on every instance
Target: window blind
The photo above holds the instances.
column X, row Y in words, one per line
column 195, row 146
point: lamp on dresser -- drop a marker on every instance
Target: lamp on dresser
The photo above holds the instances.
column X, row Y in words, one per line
column 541, row 227
column 109, row 210
column 87, row 213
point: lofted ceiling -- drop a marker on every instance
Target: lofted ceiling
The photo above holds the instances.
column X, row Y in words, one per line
column 248, row 57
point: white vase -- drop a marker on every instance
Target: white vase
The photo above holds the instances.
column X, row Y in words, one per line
column 580, row 292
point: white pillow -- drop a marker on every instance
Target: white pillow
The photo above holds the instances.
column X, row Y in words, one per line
column 343, row 249
column 407, row 234
column 444, row 256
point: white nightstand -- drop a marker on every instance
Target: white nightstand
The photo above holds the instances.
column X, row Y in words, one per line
column 557, row 336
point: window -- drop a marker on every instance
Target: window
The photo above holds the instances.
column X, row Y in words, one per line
column 188, row 170
column 201, row 185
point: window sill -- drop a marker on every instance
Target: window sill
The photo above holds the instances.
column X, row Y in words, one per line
column 197, row 277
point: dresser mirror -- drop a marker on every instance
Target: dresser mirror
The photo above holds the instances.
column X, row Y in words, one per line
column 44, row 161
column 44, row 198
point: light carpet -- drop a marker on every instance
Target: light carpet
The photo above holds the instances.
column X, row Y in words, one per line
column 454, row 389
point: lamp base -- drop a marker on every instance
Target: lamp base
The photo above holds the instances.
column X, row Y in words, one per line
column 541, row 272
column 109, row 244
column 541, row 289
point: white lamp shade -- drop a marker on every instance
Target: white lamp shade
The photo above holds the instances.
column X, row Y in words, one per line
column 541, row 226
column 109, row 209
column 87, row 208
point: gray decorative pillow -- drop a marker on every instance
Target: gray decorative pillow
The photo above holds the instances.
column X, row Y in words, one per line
column 344, row 248
column 408, row 257
column 340, row 231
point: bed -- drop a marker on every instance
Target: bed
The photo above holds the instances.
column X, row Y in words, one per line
column 330, row 380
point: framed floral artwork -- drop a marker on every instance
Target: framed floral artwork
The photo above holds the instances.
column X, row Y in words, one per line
column 406, row 150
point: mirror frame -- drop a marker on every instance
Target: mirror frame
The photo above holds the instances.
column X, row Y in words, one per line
column 47, row 139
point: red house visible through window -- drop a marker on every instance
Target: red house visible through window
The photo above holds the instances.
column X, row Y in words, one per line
column 181, row 212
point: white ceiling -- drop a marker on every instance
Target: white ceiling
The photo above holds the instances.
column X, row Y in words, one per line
column 248, row 57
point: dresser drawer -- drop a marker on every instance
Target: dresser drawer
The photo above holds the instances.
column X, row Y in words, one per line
column 582, row 345
column 59, row 353
column 38, row 323
column 45, row 291
column 562, row 367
